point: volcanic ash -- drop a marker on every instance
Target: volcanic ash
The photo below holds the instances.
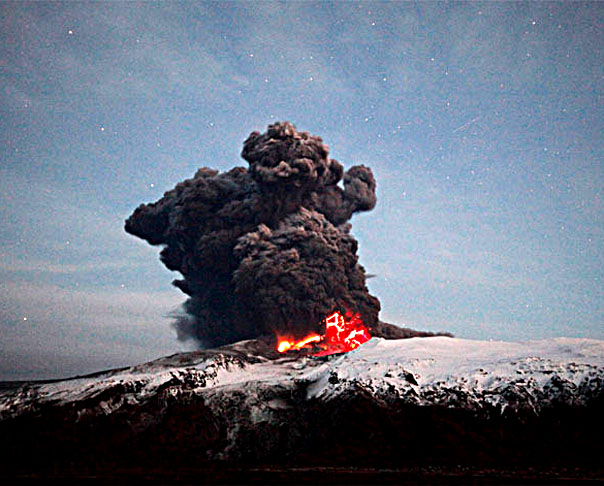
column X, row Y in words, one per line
column 265, row 250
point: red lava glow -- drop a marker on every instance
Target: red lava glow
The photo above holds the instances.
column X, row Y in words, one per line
column 342, row 334
column 286, row 345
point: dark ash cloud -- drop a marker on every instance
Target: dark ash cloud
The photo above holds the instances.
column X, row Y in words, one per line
column 266, row 249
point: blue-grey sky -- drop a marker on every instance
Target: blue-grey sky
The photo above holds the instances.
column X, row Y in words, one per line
column 482, row 122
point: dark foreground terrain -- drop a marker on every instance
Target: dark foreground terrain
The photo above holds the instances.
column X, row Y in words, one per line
column 232, row 474
column 393, row 412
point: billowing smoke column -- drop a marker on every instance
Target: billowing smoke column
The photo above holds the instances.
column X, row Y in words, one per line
column 264, row 250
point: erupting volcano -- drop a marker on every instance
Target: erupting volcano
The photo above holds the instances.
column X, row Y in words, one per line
column 267, row 250
column 342, row 334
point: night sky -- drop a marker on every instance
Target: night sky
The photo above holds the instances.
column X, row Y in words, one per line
column 482, row 122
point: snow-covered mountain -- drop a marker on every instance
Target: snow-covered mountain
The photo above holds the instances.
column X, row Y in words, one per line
column 389, row 402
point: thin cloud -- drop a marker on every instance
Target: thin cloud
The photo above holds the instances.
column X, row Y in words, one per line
column 81, row 331
column 43, row 266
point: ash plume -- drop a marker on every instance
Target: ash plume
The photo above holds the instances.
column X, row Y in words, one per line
column 266, row 249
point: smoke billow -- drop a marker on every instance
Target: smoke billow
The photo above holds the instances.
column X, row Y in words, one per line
column 265, row 249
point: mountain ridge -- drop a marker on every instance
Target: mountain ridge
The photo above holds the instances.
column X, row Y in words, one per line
column 389, row 403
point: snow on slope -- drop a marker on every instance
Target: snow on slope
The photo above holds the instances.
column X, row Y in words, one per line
column 423, row 371
column 470, row 374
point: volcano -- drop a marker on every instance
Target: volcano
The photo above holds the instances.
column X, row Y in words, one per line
column 388, row 410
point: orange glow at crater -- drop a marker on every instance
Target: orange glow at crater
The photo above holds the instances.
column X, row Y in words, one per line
column 342, row 334
column 286, row 345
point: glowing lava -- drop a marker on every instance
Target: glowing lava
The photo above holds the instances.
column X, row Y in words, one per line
column 342, row 334
column 286, row 345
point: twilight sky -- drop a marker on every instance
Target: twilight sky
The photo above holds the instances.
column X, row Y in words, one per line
column 482, row 122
